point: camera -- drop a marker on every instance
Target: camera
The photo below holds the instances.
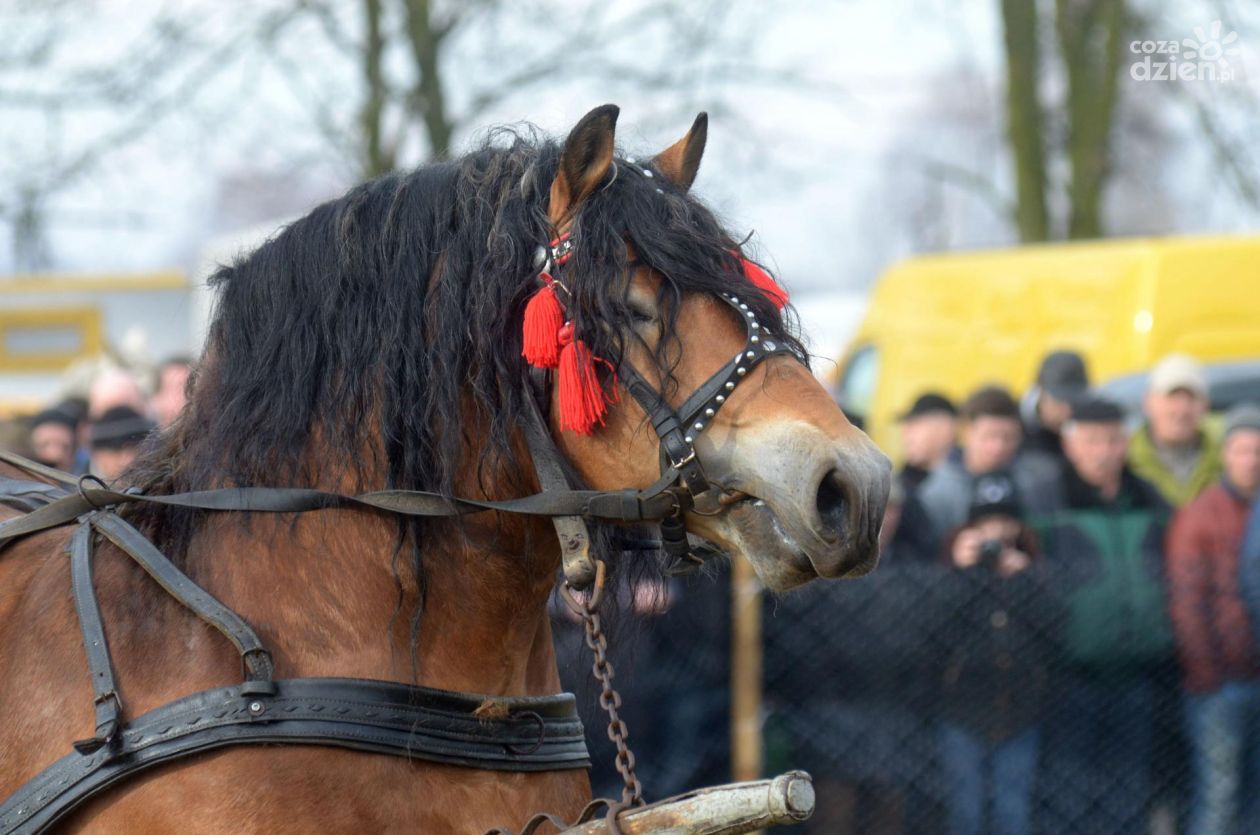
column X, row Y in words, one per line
column 990, row 551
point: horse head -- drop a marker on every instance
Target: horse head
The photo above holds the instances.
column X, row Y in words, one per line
column 667, row 300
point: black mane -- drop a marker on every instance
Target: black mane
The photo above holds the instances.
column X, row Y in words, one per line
column 372, row 325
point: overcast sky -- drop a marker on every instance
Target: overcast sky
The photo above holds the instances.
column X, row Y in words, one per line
column 820, row 176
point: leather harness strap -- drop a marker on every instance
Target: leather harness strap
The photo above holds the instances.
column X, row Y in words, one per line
column 106, row 702
column 520, row 734
column 255, row 659
column 541, row 733
column 616, row 505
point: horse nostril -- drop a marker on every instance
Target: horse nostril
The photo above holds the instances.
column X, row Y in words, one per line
column 833, row 507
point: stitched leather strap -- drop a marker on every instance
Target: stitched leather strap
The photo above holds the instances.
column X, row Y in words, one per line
column 27, row 495
column 676, row 448
column 254, row 656
column 106, row 702
column 540, row 733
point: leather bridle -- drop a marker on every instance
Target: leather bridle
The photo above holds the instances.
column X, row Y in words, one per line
column 682, row 474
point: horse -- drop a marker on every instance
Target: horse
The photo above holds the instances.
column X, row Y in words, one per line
column 376, row 343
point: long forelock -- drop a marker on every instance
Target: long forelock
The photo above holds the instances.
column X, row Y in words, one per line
column 681, row 239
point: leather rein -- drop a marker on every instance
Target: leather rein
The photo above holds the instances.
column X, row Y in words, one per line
column 537, row 733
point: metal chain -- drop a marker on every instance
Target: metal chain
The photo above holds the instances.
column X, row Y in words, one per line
column 602, row 669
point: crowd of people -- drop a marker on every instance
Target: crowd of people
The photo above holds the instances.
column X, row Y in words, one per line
column 1075, row 596
column 99, row 431
column 1060, row 637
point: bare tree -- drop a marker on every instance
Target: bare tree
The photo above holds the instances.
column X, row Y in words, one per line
column 1025, row 122
column 383, row 83
column 1063, row 108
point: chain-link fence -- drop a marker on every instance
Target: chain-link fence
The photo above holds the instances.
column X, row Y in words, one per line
column 670, row 648
column 925, row 698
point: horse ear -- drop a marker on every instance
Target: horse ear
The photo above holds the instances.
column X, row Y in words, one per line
column 584, row 162
column 680, row 161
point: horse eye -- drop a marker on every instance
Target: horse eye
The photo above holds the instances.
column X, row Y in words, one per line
column 640, row 316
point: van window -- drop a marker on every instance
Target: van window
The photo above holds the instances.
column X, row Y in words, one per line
column 857, row 385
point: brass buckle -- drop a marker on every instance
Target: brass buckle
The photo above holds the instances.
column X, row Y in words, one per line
column 687, row 459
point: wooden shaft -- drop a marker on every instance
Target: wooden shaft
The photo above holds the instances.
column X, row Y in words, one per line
column 746, row 657
column 721, row 810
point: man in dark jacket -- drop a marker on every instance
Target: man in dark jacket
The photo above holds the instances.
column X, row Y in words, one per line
column 1107, row 543
column 997, row 633
column 1218, row 651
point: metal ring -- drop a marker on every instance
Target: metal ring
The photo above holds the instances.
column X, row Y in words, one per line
column 83, row 493
column 615, row 809
column 542, row 733
column 591, row 604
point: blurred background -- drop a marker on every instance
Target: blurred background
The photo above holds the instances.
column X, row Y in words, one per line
column 1023, row 241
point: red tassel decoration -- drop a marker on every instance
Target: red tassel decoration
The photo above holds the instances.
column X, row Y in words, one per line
column 763, row 281
column 543, row 320
column 582, row 400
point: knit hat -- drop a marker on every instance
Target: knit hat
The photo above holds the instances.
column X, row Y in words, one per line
column 1241, row 416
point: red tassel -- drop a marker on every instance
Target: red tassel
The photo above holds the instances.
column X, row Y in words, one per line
column 763, row 281
column 543, row 319
column 582, row 400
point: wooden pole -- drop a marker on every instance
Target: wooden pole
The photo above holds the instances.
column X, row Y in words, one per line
column 720, row 810
column 746, row 656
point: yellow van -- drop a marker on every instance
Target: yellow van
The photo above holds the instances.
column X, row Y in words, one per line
column 953, row 322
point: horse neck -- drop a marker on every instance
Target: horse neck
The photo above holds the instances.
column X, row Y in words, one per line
column 334, row 595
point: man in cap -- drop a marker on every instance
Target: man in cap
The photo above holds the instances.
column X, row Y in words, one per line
column 1173, row 450
column 53, row 438
column 1107, row 544
column 929, row 430
column 115, row 439
column 1061, row 380
column 1220, row 660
